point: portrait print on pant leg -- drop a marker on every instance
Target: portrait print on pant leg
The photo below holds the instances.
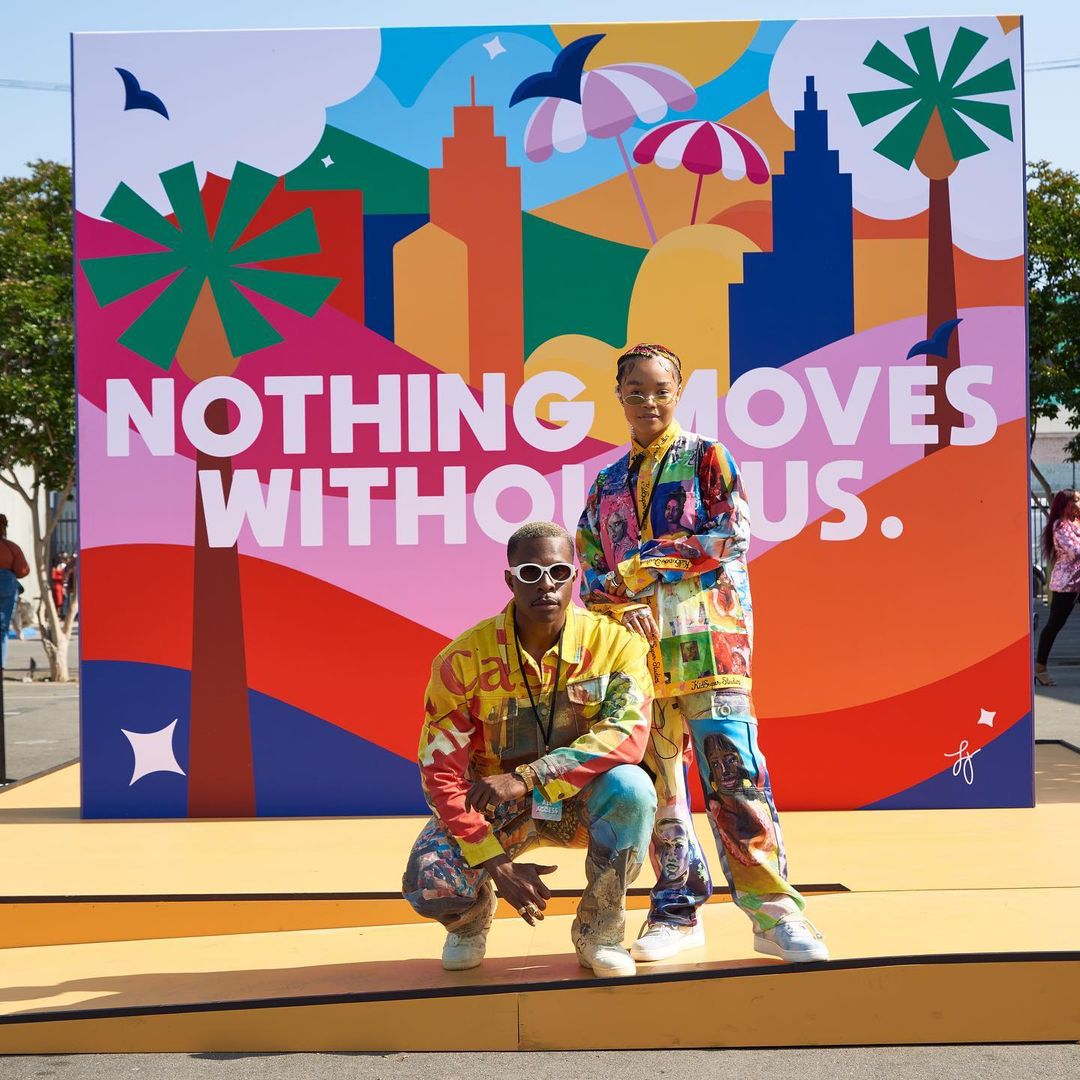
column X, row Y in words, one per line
column 736, row 803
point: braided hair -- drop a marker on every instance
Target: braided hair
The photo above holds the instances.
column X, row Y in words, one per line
column 645, row 351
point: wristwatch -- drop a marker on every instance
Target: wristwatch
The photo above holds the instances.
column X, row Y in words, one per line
column 525, row 774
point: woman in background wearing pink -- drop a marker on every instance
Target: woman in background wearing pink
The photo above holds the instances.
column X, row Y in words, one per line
column 1060, row 545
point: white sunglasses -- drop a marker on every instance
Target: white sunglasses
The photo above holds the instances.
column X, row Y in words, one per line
column 530, row 573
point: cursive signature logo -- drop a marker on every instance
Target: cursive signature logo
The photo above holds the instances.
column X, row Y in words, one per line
column 963, row 765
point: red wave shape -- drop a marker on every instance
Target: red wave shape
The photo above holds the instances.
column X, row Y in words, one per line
column 851, row 757
column 364, row 669
column 308, row 643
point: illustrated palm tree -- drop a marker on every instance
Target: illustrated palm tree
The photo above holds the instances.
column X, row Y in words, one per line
column 935, row 135
column 204, row 322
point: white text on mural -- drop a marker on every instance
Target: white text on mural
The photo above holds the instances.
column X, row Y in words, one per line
column 325, row 419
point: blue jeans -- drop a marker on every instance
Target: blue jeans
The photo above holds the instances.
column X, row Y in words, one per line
column 9, row 593
column 612, row 816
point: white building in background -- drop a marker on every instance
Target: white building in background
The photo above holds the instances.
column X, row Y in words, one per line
column 21, row 528
column 1048, row 454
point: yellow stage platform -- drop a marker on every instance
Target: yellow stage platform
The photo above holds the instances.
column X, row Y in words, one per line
column 944, row 927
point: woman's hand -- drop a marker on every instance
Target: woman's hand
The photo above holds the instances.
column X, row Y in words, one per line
column 641, row 621
column 616, row 585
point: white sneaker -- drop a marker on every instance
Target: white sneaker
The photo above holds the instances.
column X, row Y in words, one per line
column 658, row 941
column 607, row 961
column 461, row 952
column 794, row 939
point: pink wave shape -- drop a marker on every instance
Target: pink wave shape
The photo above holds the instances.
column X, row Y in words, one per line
column 135, row 499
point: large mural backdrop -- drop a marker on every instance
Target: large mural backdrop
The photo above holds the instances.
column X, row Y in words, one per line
column 349, row 304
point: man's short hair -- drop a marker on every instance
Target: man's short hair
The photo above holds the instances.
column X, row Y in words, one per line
column 533, row 530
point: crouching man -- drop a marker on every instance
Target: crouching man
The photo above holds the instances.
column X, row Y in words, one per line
column 536, row 721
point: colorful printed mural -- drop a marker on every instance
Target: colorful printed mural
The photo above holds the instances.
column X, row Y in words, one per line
column 349, row 304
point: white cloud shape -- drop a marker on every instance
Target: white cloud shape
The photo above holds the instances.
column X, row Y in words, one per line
column 258, row 96
column 987, row 191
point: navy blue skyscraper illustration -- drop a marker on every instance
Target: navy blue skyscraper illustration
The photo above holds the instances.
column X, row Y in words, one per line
column 800, row 296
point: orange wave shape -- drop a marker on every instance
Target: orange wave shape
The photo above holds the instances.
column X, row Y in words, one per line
column 844, row 623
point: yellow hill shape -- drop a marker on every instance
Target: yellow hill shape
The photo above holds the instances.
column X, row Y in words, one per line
column 680, row 299
column 609, row 210
column 697, row 51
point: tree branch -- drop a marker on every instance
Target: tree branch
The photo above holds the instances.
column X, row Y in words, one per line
column 1042, row 480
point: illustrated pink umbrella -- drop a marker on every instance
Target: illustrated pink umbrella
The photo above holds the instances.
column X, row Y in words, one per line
column 602, row 103
column 703, row 147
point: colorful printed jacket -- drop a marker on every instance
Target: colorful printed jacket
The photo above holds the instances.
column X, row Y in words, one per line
column 687, row 562
column 1065, row 577
column 479, row 719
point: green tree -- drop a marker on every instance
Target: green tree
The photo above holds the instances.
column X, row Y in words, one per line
column 206, row 324
column 1053, row 204
column 934, row 134
column 37, row 376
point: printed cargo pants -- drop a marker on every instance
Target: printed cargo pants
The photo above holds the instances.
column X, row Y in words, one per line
column 721, row 727
column 612, row 817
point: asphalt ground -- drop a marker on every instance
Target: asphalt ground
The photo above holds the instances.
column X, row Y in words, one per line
column 42, row 731
column 1040, row 1062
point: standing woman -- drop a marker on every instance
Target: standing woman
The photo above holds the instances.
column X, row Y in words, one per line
column 13, row 566
column 675, row 572
column 1061, row 546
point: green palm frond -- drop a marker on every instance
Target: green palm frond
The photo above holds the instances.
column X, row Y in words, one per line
column 926, row 90
column 195, row 256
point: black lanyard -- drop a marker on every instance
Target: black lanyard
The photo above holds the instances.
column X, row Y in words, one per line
column 643, row 516
column 554, row 690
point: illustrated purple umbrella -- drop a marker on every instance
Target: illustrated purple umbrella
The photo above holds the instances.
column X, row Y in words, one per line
column 703, row 147
column 602, row 103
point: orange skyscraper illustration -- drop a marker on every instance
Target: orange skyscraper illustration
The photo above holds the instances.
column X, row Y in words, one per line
column 476, row 198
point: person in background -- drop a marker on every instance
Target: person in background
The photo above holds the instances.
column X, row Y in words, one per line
column 1061, row 546
column 56, row 583
column 13, row 565
column 676, row 574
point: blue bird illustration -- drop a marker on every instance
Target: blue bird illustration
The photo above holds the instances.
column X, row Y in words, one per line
column 938, row 343
column 564, row 78
column 135, row 97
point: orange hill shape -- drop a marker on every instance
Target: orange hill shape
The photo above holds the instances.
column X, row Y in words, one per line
column 957, row 531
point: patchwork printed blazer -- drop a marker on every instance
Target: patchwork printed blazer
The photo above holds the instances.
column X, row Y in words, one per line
column 671, row 520
column 479, row 719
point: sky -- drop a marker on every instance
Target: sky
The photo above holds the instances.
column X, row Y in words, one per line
column 34, row 46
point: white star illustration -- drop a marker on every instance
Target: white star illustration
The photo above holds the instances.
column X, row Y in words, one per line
column 986, row 717
column 494, row 47
column 327, row 161
column 153, row 752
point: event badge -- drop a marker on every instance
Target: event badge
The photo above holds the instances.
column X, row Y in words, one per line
column 543, row 810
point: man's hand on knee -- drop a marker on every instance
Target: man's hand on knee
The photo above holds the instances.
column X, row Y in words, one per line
column 520, row 885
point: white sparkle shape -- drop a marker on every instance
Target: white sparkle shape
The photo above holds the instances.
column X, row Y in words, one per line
column 153, row 752
column 986, row 717
column 494, row 47
column 327, row 161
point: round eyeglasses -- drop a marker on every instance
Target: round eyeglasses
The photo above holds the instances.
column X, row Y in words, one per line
column 665, row 397
column 530, row 573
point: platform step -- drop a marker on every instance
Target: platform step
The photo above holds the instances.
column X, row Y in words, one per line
column 27, row 921
column 907, row 968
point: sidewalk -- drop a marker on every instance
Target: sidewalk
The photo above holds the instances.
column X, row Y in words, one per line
column 41, row 725
column 1057, row 708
